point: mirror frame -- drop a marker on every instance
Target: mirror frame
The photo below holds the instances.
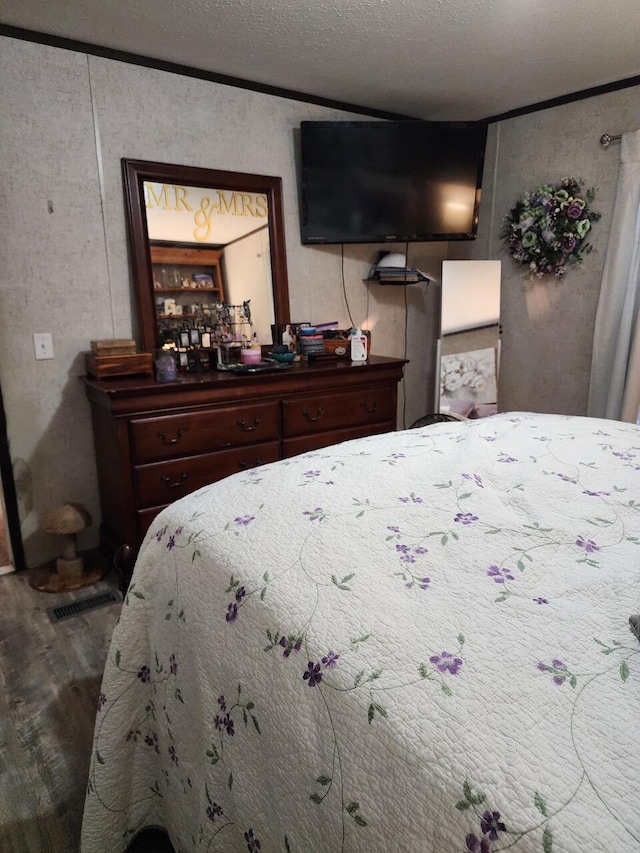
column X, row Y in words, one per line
column 136, row 172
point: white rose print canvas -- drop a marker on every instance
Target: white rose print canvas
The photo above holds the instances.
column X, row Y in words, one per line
column 469, row 376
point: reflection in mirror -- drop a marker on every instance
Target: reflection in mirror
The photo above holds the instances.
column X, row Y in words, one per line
column 470, row 338
column 209, row 260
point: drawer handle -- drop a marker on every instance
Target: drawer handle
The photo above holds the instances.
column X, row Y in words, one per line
column 255, row 464
column 370, row 408
column 310, row 417
column 163, row 437
column 167, row 481
column 243, row 425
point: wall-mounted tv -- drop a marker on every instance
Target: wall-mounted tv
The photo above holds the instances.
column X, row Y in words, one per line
column 390, row 181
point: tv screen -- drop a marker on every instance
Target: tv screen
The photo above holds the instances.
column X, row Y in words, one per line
column 379, row 181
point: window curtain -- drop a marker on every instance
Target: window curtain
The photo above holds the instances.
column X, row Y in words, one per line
column 615, row 369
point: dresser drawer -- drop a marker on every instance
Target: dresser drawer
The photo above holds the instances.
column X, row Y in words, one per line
column 164, row 482
column 305, row 443
column 320, row 413
column 168, row 436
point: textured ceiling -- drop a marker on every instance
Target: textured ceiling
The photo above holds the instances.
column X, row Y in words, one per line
column 439, row 59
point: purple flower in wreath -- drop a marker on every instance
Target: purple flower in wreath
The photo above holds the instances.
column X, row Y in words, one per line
column 171, row 543
column 477, row 845
column 587, row 544
column 214, row 811
column 541, row 600
column 330, row 660
column 574, row 211
column 491, row 825
column 253, row 845
column 465, row 518
column 310, row 475
column 393, row 528
column 313, row 674
column 101, row 701
column 243, row 520
column 232, row 612
column 445, row 662
column 173, row 665
column 179, row 530
column 499, row 575
column 222, row 703
column 240, row 593
column 218, row 722
column 144, row 674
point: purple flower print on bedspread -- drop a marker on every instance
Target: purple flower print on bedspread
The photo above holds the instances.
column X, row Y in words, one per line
column 445, row 662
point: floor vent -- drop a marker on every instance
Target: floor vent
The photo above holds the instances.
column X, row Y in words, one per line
column 83, row 605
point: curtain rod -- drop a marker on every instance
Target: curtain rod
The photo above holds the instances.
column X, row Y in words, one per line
column 606, row 139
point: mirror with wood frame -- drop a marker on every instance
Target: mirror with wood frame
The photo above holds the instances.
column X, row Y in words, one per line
column 209, row 260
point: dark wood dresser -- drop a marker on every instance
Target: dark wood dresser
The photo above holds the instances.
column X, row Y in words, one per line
column 156, row 442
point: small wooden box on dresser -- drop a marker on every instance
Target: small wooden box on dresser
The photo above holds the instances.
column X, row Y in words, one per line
column 156, row 442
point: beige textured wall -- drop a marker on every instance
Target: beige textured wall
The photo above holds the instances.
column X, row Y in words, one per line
column 67, row 120
column 548, row 325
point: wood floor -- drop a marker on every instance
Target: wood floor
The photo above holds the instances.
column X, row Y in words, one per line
column 50, row 678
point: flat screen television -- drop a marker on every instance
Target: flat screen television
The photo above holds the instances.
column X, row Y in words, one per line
column 390, row 181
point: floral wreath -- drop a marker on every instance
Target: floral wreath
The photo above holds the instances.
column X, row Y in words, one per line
column 546, row 229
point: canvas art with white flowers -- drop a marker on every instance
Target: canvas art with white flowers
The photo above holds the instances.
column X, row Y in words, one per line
column 469, row 376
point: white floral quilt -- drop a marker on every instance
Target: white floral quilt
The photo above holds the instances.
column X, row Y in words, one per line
column 412, row 642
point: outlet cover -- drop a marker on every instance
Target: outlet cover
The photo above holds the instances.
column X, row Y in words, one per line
column 43, row 345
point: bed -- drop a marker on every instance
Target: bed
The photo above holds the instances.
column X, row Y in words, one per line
column 412, row 642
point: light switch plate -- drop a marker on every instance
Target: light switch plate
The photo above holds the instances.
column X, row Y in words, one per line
column 43, row 345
